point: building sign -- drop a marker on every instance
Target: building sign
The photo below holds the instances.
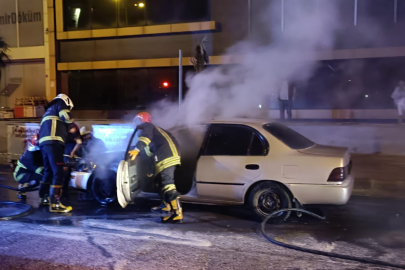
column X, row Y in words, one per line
column 16, row 137
column 28, row 17
column 25, row 132
column 23, row 17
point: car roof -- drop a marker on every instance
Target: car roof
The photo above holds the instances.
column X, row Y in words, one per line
column 240, row 121
column 236, row 121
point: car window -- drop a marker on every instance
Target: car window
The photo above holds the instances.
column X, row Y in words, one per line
column 230, row 140
column 289, row 137
column 256, row 149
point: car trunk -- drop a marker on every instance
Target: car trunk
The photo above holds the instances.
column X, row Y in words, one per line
column 331, row 151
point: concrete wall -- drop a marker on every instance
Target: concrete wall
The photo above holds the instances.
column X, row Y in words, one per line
column 33, row 81
column 387, row 139
column 334, row 114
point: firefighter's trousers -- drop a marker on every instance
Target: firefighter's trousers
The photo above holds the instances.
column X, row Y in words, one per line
column 53, row 164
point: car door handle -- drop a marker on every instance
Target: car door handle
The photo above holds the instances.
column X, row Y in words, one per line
column 252, row 167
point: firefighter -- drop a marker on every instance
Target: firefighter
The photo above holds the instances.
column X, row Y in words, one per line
column 53, row 134
column 161, row 144
column 29, row 170
column 92, row 147
column 73, row 141
column 72, row 146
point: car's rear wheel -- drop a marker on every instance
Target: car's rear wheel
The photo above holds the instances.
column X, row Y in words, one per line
column 267, row 197
column 104, row 188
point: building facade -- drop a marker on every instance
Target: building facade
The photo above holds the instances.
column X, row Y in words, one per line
column 24, row 27
column 118, row 55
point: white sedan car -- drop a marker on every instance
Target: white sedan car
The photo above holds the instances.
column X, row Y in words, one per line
column 267, row 166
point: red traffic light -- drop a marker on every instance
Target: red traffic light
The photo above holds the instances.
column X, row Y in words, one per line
column 165, row 84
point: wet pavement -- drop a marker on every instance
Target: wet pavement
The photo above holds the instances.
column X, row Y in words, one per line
column 211, row 237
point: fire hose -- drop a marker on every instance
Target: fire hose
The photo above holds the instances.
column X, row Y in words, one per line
column 8, row 209
column 19, row 189
column 318, row 252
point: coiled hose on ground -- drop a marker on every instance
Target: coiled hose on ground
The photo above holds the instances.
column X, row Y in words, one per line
column 318, row 252
column 11, row 210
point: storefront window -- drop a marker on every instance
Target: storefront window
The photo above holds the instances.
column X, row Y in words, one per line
column 163, row 84
column 81, row 85
column 126, row 89
column 351, row 84
column 133, row 88
column 105, row 90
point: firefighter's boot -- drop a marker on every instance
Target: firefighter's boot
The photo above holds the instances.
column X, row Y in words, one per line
column 163, row 209
column 21, row 194
column 44, row 194
column 177, row 215
column 44, row 201
column 56, row 205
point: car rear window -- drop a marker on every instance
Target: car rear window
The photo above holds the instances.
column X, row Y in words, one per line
column 289, row 137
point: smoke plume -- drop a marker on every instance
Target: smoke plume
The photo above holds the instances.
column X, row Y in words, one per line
column 237, row 90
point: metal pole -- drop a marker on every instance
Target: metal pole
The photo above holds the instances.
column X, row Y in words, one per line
column 249, row 17
column 17, row 24
column 355, row 12
column 282, row 15
column 180, row 77
column 395, row 11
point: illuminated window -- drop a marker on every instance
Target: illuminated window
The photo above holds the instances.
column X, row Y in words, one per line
column 76, row 14
column 131, row 13
column 104, row 14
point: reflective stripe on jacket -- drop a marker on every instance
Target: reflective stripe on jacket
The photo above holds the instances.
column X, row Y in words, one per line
column 161, row 143
column 54, row 124
column 30, row 161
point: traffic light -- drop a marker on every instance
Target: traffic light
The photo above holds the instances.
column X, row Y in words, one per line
column 165, row 84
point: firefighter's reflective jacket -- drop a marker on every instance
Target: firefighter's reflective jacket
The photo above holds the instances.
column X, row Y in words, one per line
column 54, row 124
column 159, row 143
column 29, row 162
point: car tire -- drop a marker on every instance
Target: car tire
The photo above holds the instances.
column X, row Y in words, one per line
column 267, row 197
column 104, row 188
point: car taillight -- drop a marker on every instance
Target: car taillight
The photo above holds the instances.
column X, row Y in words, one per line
column 337, row 175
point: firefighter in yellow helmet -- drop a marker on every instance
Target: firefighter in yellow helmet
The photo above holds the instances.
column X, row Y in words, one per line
column 157, row 142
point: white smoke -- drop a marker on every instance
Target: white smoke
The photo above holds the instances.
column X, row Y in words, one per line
column 237, row 90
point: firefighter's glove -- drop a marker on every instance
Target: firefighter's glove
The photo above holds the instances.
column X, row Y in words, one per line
column 134, row 153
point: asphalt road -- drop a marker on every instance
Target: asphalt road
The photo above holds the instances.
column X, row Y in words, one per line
column 211, row 237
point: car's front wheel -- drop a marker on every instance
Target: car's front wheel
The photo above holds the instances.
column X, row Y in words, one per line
column 103, row 187
column 267, row 197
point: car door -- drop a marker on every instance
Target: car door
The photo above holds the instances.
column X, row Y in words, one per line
column 232, row 156
column 134, row 176
column 190, row 140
